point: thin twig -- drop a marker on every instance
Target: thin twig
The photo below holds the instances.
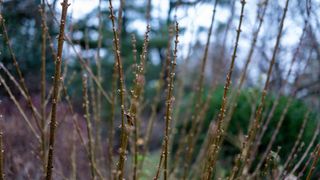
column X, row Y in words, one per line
column 214, row 148
column 56, row 86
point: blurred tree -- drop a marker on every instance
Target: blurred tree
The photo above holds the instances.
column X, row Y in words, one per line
column 23, row 23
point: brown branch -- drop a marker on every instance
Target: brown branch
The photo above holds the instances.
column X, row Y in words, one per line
column 56, row 86
column 214, row 147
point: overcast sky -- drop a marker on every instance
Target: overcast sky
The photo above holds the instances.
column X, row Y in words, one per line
column 200, row 15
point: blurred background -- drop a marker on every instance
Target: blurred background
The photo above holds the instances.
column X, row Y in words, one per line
column 23, row 23
column 194, row 19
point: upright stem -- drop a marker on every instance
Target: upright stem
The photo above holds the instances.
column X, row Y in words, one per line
column 198, row 99
column 43, row 84
column 137, row 92
column 89, row 126
column 276, row 102
column 56, row 85
column 214, row 148
column 245, row 152
column 124, row 133
column 111, row 133
column 169, row 102
column 99, row 77
column 155, row 102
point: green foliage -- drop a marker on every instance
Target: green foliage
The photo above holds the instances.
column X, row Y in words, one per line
column 240, row 121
